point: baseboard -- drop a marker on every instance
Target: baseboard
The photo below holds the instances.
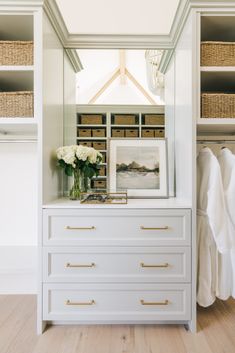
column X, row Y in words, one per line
column 18, row 269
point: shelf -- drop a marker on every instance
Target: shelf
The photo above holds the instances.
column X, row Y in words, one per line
column 17, row 68
column 121, row 126
column 92, row 138
column 217, row 68
column 17, row 121
column 153, row 126
column 91, row 126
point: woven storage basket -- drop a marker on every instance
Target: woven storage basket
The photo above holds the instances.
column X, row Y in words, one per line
column 16, row 53
column 16, row 104
column 124, row 119
column 218, row 105
column 92, row 119
column 154, row 119
column 218, row 54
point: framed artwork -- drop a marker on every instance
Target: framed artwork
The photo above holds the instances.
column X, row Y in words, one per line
column 139, row 167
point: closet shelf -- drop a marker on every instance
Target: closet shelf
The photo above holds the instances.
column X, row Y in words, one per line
column 18, row 121
column 17, row 68
column 217, row 69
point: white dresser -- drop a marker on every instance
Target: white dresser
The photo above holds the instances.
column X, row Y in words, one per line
column 116, row 265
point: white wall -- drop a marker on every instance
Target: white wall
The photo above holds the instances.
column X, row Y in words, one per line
column 18, row 217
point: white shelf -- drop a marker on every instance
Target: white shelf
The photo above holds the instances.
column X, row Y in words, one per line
column 153, row 126
column 17, row 68
column 132, row 204
column 92, row 126
column 92, row 138
column 217, row 68
column 17, row 121
column 121, row 126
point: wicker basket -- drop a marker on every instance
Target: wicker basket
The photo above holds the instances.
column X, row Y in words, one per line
column 102, row 171
column 118, row 133
column 124, row 119
column 147, row 133
column 99, row 145
column 98, row 132
column 99, row 184
column 218, row 54
column 16, row 53
column 218, row 105
column 154, row 119
column 85, row 143
column 16, row 104
column 131, row 133
column 91, row 119
column 84, row 132
column 159, row 133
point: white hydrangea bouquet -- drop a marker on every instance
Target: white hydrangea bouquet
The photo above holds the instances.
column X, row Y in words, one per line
column 82, row 163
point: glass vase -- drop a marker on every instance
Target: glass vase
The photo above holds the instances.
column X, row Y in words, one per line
column 80, row 184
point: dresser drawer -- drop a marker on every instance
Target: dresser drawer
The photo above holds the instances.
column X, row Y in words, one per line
column 120, row 264
column 116, row 227
column 113, row 302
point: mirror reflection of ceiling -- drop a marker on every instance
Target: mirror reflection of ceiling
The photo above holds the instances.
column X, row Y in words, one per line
column 146, row 17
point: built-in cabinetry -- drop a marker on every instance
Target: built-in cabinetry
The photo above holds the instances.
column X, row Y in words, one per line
column 20, row 80
column 117, row 265
column 216, row 28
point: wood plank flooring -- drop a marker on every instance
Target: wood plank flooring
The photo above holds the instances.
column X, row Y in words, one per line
column 216, row 333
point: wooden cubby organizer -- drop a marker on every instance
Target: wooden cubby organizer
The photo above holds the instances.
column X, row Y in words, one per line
column 218, row 78
column 97, row 124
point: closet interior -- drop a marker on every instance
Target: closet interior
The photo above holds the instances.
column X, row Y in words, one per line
column 197, row 113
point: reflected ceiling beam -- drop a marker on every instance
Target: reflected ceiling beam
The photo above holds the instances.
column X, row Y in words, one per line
column 122, row 64
column 105, row 86
column 124, row 74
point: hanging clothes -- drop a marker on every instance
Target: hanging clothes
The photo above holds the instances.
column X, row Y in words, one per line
column 212, row 234
column 226, row 276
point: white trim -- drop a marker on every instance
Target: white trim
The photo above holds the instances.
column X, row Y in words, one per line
column 74, row 59
column 165, row 60
column 56, row 19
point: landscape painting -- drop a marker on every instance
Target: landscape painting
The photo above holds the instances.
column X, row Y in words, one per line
column 137, row 167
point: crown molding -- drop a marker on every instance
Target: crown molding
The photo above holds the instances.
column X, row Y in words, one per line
column 21, row 3
column 57, row 21
column 165, row 60
column 74, row 59
column 117, row 41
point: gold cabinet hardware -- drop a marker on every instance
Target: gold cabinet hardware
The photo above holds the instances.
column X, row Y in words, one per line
column 79, row 228
column 69, row 265
column 142, row 264
column 154, row 228
column 165, row 302
column 91, row 302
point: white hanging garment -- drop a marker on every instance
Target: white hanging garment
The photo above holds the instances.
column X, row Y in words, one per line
column 212, row 234
column 226, row 276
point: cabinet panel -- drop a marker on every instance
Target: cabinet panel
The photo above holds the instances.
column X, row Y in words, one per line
column 117, row 227
column 117, row 264
column 117, row 303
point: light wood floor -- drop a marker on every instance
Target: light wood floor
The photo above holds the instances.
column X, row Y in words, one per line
column 216, row 333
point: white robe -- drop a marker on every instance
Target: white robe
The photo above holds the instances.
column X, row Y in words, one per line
column 226, row 282
column 212, row 232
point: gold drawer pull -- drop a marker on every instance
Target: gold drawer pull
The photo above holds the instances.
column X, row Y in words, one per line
column 68, row 302
column 69, row 265
column 165, row 302
column 156, row 228
column 79, row 228
column 142, row 264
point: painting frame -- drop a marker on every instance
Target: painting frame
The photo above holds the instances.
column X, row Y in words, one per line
column 118, row 150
